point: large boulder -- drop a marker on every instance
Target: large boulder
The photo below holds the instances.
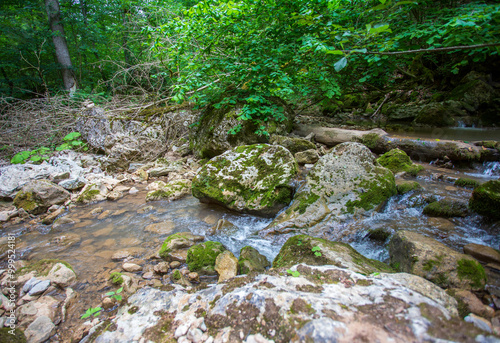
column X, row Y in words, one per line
column 135, row 136
column 485, row 199
column 318, row 252
column 250, row 179
column 211, row 136
column 321, row 304
column 347, row 180
column 201, row 257
column 37, row 196
column 423, row 256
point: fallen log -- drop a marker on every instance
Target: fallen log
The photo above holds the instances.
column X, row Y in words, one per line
column 418, row 149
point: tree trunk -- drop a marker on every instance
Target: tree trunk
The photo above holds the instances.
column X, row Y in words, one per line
column 61, row 47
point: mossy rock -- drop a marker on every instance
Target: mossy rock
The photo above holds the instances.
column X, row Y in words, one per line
column 435, row 115
column 7, row 337
column 424, row 256
column 211, row 137
column 42, row 267
column 408, row 186
column 201, row 257
column 345, row 181
column 318, row 252
column 446, row 208
column 379, row 234
column 294, row 145
column 485, row 199
column 251, row 260
column 116, row 278
column 467, row 183
column 397, row 161
column 180, row 240
column 253, row 179
column 173, row 190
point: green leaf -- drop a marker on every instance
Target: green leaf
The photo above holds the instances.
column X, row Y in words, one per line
column 119, row 290
column 340, row 64
column 334, row 52
column 109, row 293
column 317, row 254
column 64, row 146
column 91, row 311
column 293, row 273
column 36, row 158
column 72, row 135
column 316, row 248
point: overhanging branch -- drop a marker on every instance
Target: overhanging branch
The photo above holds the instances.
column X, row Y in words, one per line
column 450, row 48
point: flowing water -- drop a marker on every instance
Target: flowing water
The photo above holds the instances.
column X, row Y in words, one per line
column 89, row 243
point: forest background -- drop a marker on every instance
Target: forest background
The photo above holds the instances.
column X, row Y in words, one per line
column 272, row 57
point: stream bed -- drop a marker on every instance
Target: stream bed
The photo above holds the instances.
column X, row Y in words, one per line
column 101, row 230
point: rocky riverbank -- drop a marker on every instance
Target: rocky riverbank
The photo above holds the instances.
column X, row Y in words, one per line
column 191, row 288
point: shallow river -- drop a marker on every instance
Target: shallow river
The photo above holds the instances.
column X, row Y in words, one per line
column 89, row 244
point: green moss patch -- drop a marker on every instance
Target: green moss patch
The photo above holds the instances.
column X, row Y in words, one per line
column 7, row 336
column 408, row 186
column 446, row 208
column 473, row 271
column 42, row 267
column 397, row 161
column 374, row 192
column 466, row 183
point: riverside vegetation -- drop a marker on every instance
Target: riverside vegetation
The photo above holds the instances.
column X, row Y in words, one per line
column 242, row 171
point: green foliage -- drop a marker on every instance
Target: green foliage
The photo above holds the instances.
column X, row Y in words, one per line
column 93, row 311
column 41, row 154
column 115, row 295
column 293, row 273
column 71, row 141
column 264, row 54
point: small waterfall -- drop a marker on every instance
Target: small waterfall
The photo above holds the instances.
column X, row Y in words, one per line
column 487, row 170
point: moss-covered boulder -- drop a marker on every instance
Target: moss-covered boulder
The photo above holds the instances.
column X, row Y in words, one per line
column 37, row 196
column 407, row 186
column 211, row 136
column 250, row 179
column 294, row 145
column 251, row 260
column 435, row 114
column 318, row 252
column 178, row 241
column 347, row 180
column 423, row 256
column 201, row 257
column 485, row 199
column 173, row 190
column 310, row 156
column 398, row 161
column 446, row 208
column 467, row 183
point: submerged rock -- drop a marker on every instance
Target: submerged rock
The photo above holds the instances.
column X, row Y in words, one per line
column 321, row 304
column 37, row 196
column 446, row 208
column 317, row 252
column 485, row 199
column 251, row 179
column 344, row 181
column 423, row 256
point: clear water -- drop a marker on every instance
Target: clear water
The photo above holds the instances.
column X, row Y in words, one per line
column 469, row 134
